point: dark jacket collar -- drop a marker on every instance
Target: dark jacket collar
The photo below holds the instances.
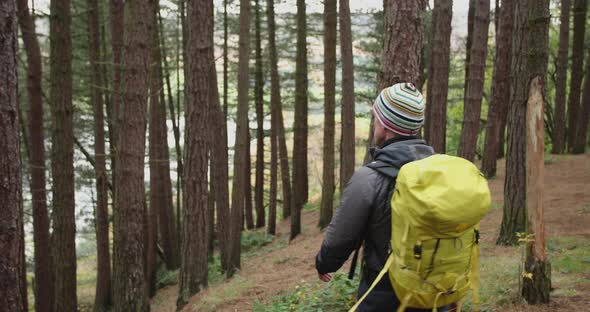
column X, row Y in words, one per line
column 396, row 139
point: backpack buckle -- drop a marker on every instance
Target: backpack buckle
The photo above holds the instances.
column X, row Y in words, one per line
column 418, row 250
column 476, row 236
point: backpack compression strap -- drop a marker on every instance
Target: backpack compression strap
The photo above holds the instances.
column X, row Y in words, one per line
column 375, row 282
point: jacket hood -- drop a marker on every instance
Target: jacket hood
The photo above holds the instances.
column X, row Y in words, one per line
column 393, row 156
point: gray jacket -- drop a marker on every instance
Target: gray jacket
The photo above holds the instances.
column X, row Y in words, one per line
column 365, row 213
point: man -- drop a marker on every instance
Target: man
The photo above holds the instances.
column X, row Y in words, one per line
column 365, row 212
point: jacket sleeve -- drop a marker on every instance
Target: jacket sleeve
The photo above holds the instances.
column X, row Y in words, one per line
column 349, row 224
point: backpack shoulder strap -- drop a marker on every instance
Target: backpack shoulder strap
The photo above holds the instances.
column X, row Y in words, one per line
column 384, row 168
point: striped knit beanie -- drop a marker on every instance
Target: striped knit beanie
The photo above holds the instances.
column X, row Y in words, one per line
column 400, row 108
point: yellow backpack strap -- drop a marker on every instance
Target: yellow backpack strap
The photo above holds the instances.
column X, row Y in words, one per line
column 475, row 272
column 377, row 279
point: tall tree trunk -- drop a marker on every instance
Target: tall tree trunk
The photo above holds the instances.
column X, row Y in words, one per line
column 43, row 265
column 62, row 160
column 129, row 283
column 248, row 208
column 500, row 90
column 219, row 169
column 536, row 289
column 476, row 78
column 439, row 75
column 300, row 179
column 275, row 86
column 193, row 270
column 241, row 153
column 404, row 22
column 561, row 83
column 514, row 216
column 225, row 57
column 117, row 18
column 11, row 260
column 327, row 204
column 259, row 99
column 272, row 202
column 582, row 136
column 468, row 43
column 347, row 142
column 102, row 298
column 576, row 72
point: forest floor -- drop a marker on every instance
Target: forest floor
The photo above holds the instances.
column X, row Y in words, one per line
column 281, row 267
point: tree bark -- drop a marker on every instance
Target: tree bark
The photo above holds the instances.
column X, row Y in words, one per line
column 300, row 170
column 62, row 160
column 581, row 137
column 500, row 90
column 43, row 265
column 514, row 215
column 259, row 99
column 275, row 86
column 327, row 204
column 129, row 282
column 219, row 169
column 241, row 153
column 11, row 260
column 576, row 72
column 537, row 288
column 225, row 57
column 103, row 276
column 248, row 207
column 468, row 43
column 193, row 270
column 347, row 142
column 476, row 77
column 117, row 18
column 439, row 75
column 561, row 83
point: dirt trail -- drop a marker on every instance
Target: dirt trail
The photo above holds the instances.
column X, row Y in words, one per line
column 567, row 200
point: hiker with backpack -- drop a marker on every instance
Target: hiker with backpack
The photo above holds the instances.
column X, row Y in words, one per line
column 417, row 216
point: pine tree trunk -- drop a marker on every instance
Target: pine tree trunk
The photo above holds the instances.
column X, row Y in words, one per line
column 129, row 282
column 103, row 276
column 11, row 261
column 62, row 160
column 258, row 97
column 439, row 75
column 500, row 90
column 468, row 43
column 404, row 36
column 277, row 108
column 225, row 57
column 242, row 137
column 117, row 25
column 327, row 204
column 219, row 169
column 514, row 216
column 581, row 137
column 536, row 289
column 476, row 78
column 193, row 270
column 300, row 187
column 560, row 85
column 248, row 207
column 43, row 287
column 272, row 202
column 347, row 143
column 576, row 72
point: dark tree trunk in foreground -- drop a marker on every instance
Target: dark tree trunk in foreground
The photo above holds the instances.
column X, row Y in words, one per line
column 514, row 216
column 248, row 207
column 242, row 137
column 272, row 202
column 225, row 57
column 576, row 72
column 43, row 287
column 581, row 137
column 476, row 77
column 300, row 179
column 259, row 101
column 219, row 170
column 117, row 27
column 327, row 204
column 347, row 143
column 102, row 299
column 275, row 89
column 11, row 260
column 129, row 283
column 62, row 157
column 438, row 80
column 500, row 90
column 193, row 269
column 536, row 289
column 561, row 83
column 468, row 43
column 404, row 25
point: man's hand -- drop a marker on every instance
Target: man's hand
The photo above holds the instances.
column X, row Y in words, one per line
column 325, row 277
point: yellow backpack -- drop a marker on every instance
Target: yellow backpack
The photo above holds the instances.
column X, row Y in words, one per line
column 435, row 213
